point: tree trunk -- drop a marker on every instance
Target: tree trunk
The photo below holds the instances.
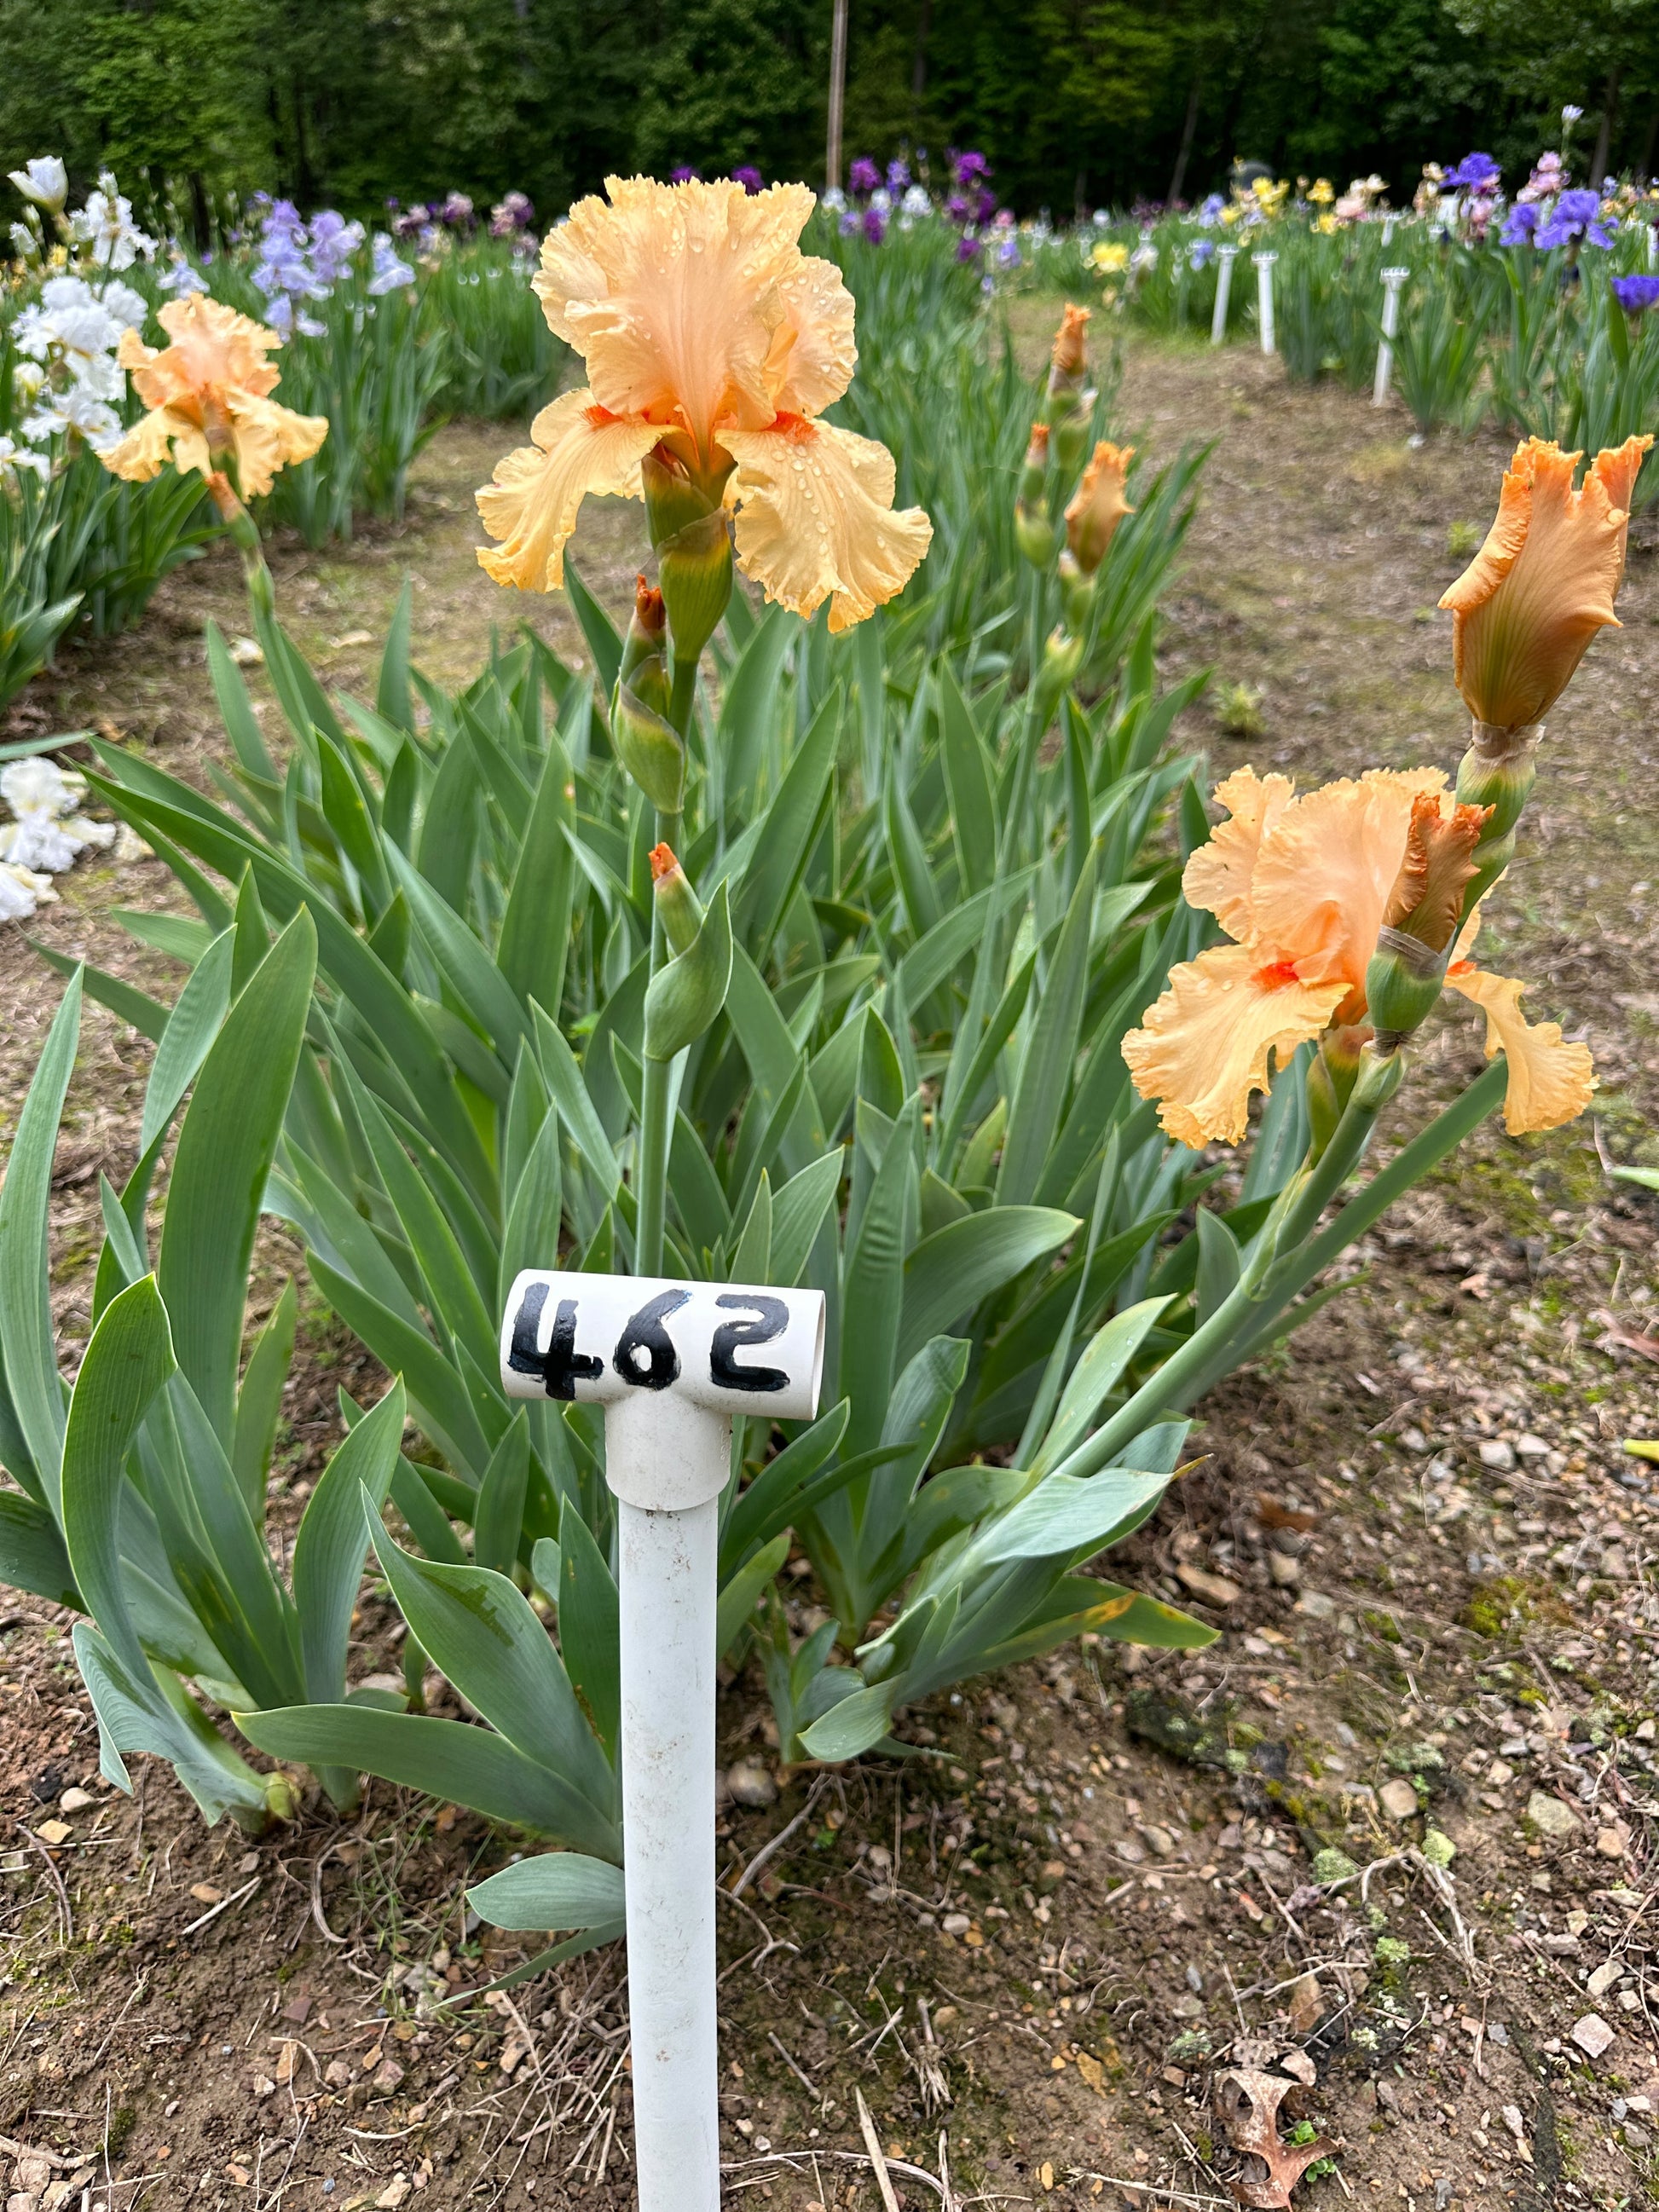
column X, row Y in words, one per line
column 1604, row 135
column 1187, row 131
column 837, row 93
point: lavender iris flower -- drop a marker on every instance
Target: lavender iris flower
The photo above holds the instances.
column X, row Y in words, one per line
column 1575, row 216
column 1521, row 226
column 898, row 177
column 1636, row 295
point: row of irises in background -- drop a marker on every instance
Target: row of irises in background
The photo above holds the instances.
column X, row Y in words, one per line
column 1531, row 310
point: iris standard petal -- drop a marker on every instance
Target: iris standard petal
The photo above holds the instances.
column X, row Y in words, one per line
column 1326, row 868
column 815, row 520
column 1219, row 874
column 530, row 505
column 1206, row 1044
column 1550, row 1081
column 672, row 295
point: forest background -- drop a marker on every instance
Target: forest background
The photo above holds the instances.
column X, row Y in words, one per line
column 1077, row 103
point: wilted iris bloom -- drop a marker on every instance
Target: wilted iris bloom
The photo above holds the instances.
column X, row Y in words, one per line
column 1636, row 295
column 1575, row 215
column 1303, row 886
column 749, row 178
column 863, row 176
column 713, row 344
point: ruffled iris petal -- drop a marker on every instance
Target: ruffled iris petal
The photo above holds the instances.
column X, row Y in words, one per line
column 1206, row 1043
column 815, row 520
column 531, row 506
column 1550, row 1081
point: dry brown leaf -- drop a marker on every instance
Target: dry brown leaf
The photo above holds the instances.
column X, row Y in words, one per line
column 1247, row 2110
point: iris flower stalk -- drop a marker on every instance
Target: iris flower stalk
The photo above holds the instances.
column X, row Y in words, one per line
column 713, row 345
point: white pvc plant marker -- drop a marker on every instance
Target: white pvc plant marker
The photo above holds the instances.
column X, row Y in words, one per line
column 1392, row 280
column 671, row 1363
column 1264, row 298
column 1388, row 221
column 1226, row 255
column 1653, row 245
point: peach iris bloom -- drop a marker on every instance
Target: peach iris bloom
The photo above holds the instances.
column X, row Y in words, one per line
column 1525, row 609
column 1099, row 505
column 1302, row 886
column 209, row 398
column 707, row 331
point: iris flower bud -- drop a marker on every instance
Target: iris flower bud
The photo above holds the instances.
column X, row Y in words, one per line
column 693, row 540
column 1405, row 974
column 1099, row 505
column 647, row 744
column 676, row 901
column 1069, row 402
column 1033, row 528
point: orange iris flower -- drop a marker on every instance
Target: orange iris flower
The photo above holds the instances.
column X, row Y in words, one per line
column 1525, row 609
column 1099, row 505
column 1302, row 886
column 207, row 394
column 706, row 329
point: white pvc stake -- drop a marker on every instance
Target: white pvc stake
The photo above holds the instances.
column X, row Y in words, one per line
column 1392, row 280
column 1388, row 221
column 1224, row 284
column 671, row 1363
column 1264, row 298
column 1653, row 245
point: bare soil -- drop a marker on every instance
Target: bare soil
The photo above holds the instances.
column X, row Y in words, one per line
column 1037, row 1951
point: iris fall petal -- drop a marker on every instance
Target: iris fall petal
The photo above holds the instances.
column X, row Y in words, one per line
column 532, row 504
column 815, row 518
column 1550, row 1081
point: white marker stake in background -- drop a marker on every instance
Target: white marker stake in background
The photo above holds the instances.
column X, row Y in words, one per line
column 1226, row 255
column 1264, row 298
column 671, row 1363
column 1392, row 280
column 1389, row 222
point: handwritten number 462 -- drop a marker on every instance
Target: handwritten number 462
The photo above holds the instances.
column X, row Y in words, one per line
column 645, row 1353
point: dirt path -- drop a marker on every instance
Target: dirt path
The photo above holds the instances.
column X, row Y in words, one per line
column 1431, row 1561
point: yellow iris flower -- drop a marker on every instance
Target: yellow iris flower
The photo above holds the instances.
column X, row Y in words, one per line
column 1109, row 256
column 1526, row 609
column 207, row 394
column 705, row 331
column 1303, row 886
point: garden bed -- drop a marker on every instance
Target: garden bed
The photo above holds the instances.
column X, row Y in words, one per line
column 1466, row 1612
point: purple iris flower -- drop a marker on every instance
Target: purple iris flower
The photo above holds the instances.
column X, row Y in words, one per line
column 1474, row 172
column 685, row 175
column 1521, row 226
column 968, row 249
column 1202, row 250
column 898, row 177
column 958, row 208
column 1575, row 215
column 749, row 178
column 1636, row 295
column 863, row 176
column 875, row 225
column 969, row 168
column 849, row 222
